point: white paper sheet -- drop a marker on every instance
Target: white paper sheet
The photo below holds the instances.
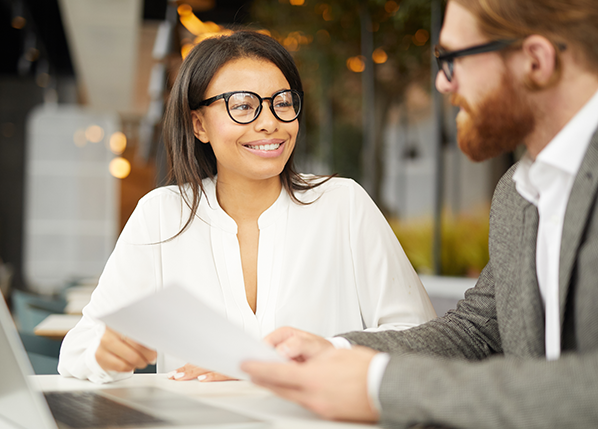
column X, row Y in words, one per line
column 177, row 323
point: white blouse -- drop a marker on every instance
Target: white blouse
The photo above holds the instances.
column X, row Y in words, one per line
column 327, row 267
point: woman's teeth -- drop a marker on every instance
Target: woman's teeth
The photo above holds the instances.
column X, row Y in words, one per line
column 272, row 146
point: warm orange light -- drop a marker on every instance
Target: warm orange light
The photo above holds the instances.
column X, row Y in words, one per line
column 18, row 22
column 391, row 7
column 118, row 143
column 325, row 10
column 184, row 10
column 421, row 37
column 291, row 43
column 379, row 56
column 94, row 133
column 119, row 167
column 297, row 2
column 79, row 138
column 265, row 32
column 356, row 64
column 196, row 26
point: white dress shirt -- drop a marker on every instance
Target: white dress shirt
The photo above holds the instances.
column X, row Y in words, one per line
column 329, row 267
column 546, row 183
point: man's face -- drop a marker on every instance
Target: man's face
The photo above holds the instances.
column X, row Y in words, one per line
column 495, row 114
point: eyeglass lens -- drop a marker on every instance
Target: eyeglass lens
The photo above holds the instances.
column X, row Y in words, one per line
column 446, row 65
column 244, row 107
column 447, row 68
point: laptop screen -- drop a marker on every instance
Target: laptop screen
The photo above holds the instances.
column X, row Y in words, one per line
column 20, row 404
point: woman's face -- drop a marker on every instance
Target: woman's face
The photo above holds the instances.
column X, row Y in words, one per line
column 255, row 151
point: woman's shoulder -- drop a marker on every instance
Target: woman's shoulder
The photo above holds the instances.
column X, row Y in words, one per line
column 335, row 187
column 160, row 195
column 172, row 193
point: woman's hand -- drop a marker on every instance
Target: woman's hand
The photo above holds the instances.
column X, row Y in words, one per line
column 192, row 372
column 121, row 354
column 297, row 345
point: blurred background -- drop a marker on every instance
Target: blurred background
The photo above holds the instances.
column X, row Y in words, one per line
column 82, row 90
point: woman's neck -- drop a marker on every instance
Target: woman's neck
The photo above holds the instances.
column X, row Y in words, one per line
column 246, row 200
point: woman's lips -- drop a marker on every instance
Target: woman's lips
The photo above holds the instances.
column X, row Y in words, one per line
column 266, row 150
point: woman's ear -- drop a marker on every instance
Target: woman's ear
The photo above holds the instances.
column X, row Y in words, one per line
column 541, row 62
column 198, row 127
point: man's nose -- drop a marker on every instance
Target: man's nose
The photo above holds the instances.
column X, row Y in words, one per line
column 442, row 83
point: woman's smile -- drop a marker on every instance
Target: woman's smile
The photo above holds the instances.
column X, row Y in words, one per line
column 259, row 149
column 266, row 148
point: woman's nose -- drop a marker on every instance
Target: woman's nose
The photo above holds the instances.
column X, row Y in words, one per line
column 266, row 121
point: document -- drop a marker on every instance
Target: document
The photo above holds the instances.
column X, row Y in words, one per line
column 176, row 322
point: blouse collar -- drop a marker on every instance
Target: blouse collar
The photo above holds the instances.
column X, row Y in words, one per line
column 219, row 218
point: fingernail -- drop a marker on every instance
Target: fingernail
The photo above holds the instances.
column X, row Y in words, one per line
column 202, row 377
column 179, row 375
column 170, row 374
column 153, row 361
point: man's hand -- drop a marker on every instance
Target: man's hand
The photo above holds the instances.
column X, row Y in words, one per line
column 332, row 384
column 119, row 353
column 192, row 372
column 296, row 344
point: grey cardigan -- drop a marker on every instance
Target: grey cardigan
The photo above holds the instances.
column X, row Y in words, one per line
column 483, row 365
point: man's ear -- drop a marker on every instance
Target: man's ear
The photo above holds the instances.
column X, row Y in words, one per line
column 198, row 127
column 542, row 63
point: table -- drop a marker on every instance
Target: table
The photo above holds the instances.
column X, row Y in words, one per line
column 55, row 326
column 241, row 396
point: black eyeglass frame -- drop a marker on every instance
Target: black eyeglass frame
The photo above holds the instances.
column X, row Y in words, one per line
column 447, row 57
column 444, row 56
column 227, row 95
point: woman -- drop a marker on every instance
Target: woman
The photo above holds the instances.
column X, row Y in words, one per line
column 249, row 236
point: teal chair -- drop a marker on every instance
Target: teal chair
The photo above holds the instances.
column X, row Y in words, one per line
column 28, row 311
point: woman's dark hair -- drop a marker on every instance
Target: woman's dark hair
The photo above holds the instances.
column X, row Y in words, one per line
column 190, row 160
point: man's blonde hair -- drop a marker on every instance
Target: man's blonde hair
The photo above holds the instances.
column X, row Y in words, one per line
column 570, row 22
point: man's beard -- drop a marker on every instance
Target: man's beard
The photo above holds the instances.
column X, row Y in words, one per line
column 500, row 122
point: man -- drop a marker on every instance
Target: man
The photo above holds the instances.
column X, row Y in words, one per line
column 521, row 350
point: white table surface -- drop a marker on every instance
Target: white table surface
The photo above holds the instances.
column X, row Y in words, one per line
column 241, row 396
column 56, row 325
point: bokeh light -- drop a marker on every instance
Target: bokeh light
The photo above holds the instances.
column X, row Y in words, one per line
column 94, row 133
column 356, row 64
column 379, row 56
column 118, row 143
column 391, row 7
column 119, row 167
column 421, row 37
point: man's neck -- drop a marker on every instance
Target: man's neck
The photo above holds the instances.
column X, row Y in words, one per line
column 557, row 106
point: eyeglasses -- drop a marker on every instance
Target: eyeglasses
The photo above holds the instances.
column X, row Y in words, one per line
column 445, row 59
column 244, row 107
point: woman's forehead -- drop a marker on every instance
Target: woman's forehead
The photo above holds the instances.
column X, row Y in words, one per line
column 247, row 74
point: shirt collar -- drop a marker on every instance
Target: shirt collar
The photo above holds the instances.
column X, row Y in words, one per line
column 567, row 149
column 560, row 151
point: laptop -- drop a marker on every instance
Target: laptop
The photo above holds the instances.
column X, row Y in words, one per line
column 24, row 407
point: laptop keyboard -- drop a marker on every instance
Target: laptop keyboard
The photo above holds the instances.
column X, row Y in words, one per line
column 81, row 410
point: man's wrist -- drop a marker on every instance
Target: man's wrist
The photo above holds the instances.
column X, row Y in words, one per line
column 339, row 342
